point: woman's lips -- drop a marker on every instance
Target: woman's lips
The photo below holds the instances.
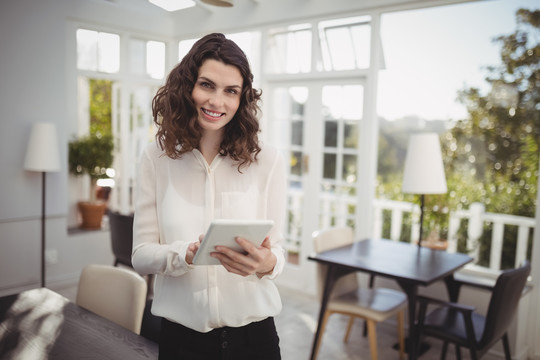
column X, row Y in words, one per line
column 212, row 115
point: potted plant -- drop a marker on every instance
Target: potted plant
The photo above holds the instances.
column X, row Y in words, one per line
column 91, row 155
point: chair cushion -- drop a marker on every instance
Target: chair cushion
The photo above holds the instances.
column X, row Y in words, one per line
column 377, row 303
column 448, row 323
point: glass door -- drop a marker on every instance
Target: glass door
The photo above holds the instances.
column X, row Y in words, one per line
column 317, row 126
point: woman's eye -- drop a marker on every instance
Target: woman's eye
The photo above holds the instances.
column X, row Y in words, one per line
column 205, row 84
column 232, row 91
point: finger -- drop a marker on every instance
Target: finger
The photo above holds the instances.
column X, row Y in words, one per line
column 245, row 244
column 233, row 266
column 266, row 243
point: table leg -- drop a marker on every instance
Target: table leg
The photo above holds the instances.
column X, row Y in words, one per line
column 412, row 293
column 332, row 275
column 452, row 287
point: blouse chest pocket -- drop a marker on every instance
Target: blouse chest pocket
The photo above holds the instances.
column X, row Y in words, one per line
column 243, row 205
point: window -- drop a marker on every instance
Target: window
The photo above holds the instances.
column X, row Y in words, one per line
column 345, row 43
column 289, row 50
column 98, row 51
column 117, row 100
column 147, row 58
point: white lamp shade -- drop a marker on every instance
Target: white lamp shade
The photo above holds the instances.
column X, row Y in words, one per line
column 424, row 169
column 42, row 153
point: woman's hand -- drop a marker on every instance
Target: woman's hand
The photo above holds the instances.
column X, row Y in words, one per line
column 258, row 260
column 192, row 250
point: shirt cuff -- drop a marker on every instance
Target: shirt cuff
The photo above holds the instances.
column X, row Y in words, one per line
column 176, row 259
column 278, row 268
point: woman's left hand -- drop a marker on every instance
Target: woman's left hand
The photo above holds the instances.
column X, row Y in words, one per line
column 258, row 260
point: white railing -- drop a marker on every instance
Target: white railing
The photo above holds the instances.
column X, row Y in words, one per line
column 335, row 210
column 476, row 217
column 397, row 210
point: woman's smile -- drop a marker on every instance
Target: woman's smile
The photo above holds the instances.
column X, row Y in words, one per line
column 212, row 115
column 216, row 94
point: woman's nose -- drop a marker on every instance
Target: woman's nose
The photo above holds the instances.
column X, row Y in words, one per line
column 216, row 99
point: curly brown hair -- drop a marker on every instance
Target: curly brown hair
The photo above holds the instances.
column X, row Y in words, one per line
column 175, row 114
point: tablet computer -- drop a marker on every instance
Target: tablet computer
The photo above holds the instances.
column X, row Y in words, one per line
column 223, row 232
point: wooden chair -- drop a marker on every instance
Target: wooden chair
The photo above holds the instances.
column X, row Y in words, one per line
column 121, row 227
column 459, row 324
column 348, row 298
column 114, row 293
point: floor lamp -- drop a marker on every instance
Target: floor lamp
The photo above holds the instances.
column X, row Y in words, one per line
column 42, row 155
column 424, row 170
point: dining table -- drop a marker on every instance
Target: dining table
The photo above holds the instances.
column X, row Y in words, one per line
column 42, row 324
column 408, row 264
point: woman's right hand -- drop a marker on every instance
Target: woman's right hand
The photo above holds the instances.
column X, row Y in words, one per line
column 192, row 250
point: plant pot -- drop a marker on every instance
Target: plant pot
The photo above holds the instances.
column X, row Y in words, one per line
column 91, row 214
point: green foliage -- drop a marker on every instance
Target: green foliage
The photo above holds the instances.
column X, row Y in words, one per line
column 100, row 106
column 91, row 155
column 497, row 147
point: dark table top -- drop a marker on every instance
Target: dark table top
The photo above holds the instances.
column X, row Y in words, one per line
column 41, row 324
column 396, row 260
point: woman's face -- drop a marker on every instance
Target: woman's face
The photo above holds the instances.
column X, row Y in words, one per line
column 216, row 94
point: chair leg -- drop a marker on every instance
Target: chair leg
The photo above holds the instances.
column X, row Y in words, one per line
column 372, row 335
column 401, row 334
column 349, row 327
column 506, row 346
column 458, row 352
column 323, row 326
column 444, row 348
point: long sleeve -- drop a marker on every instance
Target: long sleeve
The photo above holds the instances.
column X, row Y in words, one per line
column 276, row 195
column 150, row 255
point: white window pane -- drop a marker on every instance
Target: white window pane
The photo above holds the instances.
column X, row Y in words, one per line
column 345, row 43
column 341, row 48
column 108, row 52
column 361, row 37
column 137, row 54
column 155, row 59
column 184, row 46
column 290, row 52
column 303, row 50
column 343, row 102
column 87, row 49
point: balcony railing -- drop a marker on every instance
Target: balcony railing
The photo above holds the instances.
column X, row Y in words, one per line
column 476, row 218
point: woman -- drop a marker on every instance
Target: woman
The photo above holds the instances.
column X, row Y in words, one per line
column 207, row 163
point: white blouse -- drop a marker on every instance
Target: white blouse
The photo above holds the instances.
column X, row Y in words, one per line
column 175, row 202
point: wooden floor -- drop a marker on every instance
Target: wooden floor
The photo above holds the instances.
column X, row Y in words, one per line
column 298, row 321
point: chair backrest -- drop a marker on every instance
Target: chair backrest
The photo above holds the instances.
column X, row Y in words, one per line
column 121, row 227
column 328, row 239
column 115, row 293
column 504, row 303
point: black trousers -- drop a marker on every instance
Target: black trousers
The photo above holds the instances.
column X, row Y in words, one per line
column 255, row 341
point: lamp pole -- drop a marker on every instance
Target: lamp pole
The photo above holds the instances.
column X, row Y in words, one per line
column 421, row 220
column 43, row 229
